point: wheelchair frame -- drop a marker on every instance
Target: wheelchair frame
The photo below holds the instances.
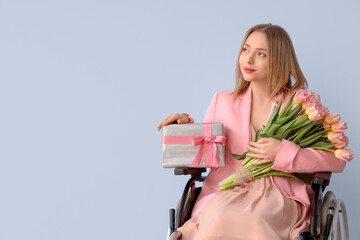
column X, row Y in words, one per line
column 321, row 223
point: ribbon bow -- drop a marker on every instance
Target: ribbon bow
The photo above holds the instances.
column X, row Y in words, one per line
column 207, row 144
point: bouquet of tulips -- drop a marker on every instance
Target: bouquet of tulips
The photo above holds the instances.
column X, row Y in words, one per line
column 304, row 121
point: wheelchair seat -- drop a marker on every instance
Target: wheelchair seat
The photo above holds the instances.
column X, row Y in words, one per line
column 325, row 219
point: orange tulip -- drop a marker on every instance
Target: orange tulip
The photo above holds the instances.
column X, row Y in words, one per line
column 339, row 127
column 301, row 96
column 342, row 144
column 314, row 113
column 332, row 118
column 326, row 125
column 336, row 137
column 344, row 154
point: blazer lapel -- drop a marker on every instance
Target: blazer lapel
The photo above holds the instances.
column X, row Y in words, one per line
column 244, row 110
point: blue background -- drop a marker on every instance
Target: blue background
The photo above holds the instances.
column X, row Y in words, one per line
column 85, row 83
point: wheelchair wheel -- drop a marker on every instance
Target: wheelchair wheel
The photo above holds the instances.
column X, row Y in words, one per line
column 330, row 224
column 340, row 207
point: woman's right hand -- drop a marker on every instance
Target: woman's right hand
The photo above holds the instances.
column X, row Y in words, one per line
column 179, row 118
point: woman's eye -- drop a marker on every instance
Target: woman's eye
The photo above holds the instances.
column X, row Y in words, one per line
column 261, row 54
column 244, row 50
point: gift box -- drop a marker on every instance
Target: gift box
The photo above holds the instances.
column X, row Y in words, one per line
column 193, row 145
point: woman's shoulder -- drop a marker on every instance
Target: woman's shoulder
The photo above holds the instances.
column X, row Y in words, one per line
column 224, row 95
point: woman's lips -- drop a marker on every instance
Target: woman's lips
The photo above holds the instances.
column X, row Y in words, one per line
column 248, row 70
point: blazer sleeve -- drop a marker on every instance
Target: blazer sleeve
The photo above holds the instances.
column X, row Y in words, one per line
column 211, row 110
column 292, row 158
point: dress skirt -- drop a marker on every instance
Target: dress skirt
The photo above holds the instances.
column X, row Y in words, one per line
column 256, row 211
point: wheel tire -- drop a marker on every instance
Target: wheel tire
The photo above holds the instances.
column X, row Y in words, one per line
column 328, row 202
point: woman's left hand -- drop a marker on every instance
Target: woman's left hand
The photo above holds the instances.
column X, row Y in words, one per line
column 264, row 149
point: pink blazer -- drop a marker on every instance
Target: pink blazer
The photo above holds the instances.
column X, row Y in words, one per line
column 290, row 158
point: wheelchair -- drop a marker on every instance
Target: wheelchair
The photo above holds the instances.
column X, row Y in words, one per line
column 326, row 212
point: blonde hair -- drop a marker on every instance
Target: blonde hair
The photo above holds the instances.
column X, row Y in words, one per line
column 283, row 63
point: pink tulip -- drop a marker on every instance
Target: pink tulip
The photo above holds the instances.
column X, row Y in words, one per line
column 311, row 101
column 313, row 97
column 324, row 110
column 316, row 97
column 336, row 137
column 343, row 144
column 315, row 116
column 308, row 104
column 311, row 109
column 344, row 154
column 326, row 125
column 301, row 96
column 332, row 118
column 339, row 127
column 314, row 113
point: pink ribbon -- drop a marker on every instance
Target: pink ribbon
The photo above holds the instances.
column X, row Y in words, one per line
column 206, row 145
column 206, row 142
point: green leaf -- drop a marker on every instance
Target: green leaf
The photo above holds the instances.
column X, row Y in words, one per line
column 301, row 121
column 282, row 135
column 310, row 139
column 274, row 114
column 304, row 177
column 286, row 126
column 239, row 157
column 288, row 106
column 273, row 128
column 290, row 116
column 322, row 145
column 320, row 148
column 301, row 133
column 315, row 129
column 258, row 133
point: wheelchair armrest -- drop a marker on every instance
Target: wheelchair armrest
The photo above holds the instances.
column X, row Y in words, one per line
column 189, row 171
column 322, row 178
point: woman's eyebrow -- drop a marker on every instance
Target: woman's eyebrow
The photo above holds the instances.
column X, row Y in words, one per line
column 263, row 49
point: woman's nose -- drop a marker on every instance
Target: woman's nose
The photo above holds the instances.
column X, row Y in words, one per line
column 250, row 58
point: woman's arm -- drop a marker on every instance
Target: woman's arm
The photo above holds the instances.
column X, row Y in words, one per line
column 292, row 158
column 289, row 157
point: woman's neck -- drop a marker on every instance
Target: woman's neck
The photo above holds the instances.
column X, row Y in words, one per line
column 260, row 93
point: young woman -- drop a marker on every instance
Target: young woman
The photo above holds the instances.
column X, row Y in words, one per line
column 272, row 207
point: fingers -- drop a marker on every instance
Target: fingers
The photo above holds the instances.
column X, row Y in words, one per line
column 265, row 149
column 183, row 119
column 169, row 119
column 172, row 117
column 261, row 162
column 254, row 149
column 257, row 151
column 180, row 118
column 262, row 158
column 164, row 121
column 255, row 144
column 264, row 140
column 255, row 155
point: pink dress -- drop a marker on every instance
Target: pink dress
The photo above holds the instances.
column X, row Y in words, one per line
column 257, row 210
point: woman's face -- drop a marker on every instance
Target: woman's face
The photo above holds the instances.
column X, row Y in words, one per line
column 254, row 61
